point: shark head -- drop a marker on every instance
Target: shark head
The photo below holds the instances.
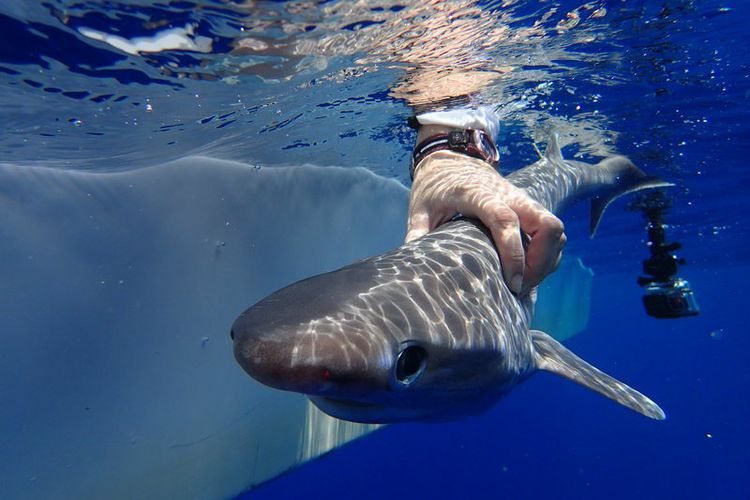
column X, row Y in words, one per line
column 366, row 347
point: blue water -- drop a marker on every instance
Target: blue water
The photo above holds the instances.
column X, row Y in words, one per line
column 666, row 83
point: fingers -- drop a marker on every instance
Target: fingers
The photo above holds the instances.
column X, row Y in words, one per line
column 508, row 215
column 547, row 239
column 559, row 258
column 504, row 226
column 413, row 234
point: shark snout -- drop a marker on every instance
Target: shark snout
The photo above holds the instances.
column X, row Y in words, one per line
column 301, row 360
column 273, row 363
column 273, row 358
column 315, row 349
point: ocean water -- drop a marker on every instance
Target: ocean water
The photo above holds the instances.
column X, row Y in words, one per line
column 145, row 201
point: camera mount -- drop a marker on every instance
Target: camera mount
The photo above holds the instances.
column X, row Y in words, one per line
column 667, row 295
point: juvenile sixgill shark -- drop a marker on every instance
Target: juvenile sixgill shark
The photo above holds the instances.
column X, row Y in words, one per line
column 429, row 331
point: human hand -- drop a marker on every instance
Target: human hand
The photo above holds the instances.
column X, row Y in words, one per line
column 447, row 183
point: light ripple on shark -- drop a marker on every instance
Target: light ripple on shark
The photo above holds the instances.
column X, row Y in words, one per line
column 429, row 331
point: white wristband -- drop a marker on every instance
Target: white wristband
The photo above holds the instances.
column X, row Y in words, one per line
column 484, row 118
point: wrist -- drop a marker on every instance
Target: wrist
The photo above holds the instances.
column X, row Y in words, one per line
column 455, row 168
column 426, row 131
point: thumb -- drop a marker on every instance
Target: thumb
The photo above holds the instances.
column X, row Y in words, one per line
column 418, row 226
column 413, row 235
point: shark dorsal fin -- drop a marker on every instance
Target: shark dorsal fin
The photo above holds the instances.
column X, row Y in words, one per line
column 553, row 153
column 553, row 357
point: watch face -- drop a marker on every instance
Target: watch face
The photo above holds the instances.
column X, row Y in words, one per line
column 458, row 138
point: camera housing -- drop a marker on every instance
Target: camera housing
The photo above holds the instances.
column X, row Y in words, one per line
column 667, row 295
column 673, row 299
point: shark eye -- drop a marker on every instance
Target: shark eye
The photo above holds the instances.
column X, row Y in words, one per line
column 410, row 364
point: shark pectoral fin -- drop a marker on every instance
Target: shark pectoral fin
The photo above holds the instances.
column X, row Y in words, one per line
column 553, row 357
column 629, row 180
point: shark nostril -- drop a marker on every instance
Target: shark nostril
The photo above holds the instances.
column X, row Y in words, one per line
column 231, row 333
column 410, row 364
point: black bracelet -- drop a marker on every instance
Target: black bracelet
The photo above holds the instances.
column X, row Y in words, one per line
column 471, row 142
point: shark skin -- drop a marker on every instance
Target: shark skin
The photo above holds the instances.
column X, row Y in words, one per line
column 429, row 331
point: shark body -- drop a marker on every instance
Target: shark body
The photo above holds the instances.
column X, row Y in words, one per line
column 429, row 331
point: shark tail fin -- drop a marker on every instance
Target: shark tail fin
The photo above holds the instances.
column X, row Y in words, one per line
column 553, row 357
column 628, row 179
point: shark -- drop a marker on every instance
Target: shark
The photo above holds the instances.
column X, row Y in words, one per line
column 429, row 331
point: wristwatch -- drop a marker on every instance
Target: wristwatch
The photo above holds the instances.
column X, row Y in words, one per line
column 471, row 142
